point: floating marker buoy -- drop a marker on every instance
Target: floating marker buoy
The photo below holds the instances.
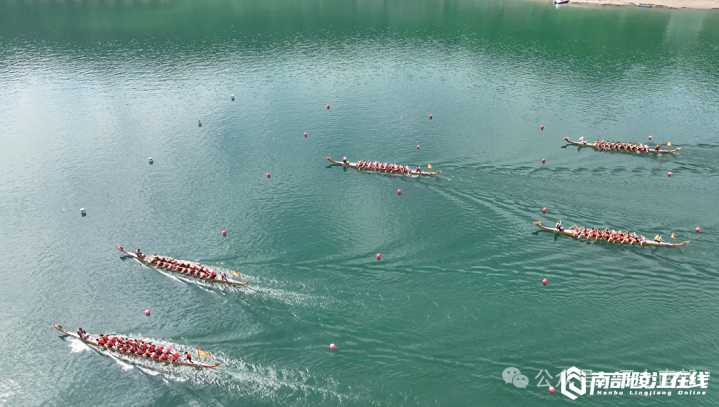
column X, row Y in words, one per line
column 551, row 389
column 430, row 117
column 544, row 160
column 544, row 210
column 232, row 97
column 698, row 230
column 305, row 134
column 224, row 233
column 379, row 256
column 541, row 127
column 199, row 123
column 544, row 281
column 399, row 192
column 149, row 159
column 332, row 346
column 328, row 107
column 417, row 147
column 147, row 312
column 669, row 174
column 82, row 211
column 268, row 175
column 650, row 137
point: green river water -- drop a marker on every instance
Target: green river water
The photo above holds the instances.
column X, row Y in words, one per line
column 90, row 88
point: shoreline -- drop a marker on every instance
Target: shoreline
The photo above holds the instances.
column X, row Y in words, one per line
column 671, row 4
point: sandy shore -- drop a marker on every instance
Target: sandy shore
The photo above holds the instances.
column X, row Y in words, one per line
column 688, row 4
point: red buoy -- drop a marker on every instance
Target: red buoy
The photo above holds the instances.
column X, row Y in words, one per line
column 650, row 137
column 305, row 134
column 544, row 210
column 268, row 175
column 328, row 107
column 430, row 117
column 399, row 192
column 379, row 256
column 544, row 160
column 332, row 346
column 541, row 127
column 669, row 174
column 698, row 230
column 224, row 233
column 417, row 147
column 544, row 281
column 551, row 389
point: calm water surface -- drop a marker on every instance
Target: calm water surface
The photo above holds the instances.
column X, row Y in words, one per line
column 90, row 89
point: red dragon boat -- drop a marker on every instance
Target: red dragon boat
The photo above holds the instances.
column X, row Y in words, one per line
column 92, row 340
column 148, row 261
column 596, row 147
column 355, row 166
column 575, row 233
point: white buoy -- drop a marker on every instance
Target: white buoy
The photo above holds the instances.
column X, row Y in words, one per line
column 149, row 159
column 82, row 211
column 232, row 97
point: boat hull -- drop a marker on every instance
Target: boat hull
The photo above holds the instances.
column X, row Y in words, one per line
column 92, row 341
column 213, row 280
column 585, row 144
column 647, row 243
column 354, row 165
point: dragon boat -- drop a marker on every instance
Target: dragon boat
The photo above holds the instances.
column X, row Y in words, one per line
column 596, row 147
column 92, row 340
column 575, row 233
column 218, row 279
column 355, row 166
